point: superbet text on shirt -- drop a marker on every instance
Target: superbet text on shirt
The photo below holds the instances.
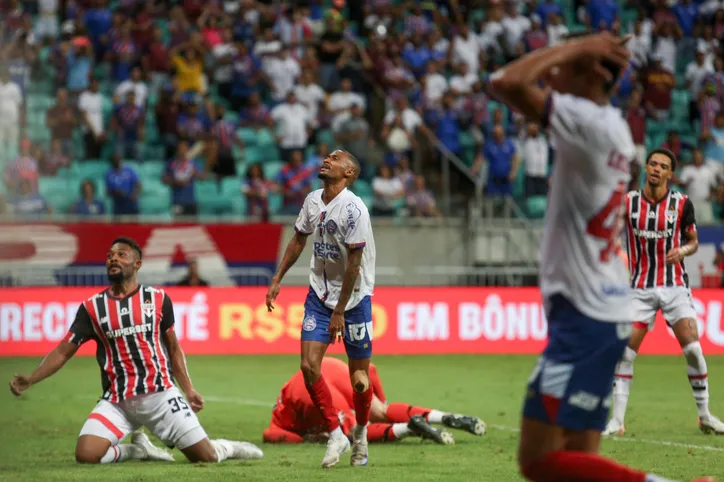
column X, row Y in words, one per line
column 333, row 228
column 585, row 208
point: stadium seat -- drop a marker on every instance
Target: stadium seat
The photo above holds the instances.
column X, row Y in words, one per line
column 155, row 197
column 210, row 198
column 95, row 169
column 275, row 202
column 247, row 136
column 536, row 206
column 272, row 169
column 151, row 169
column 58, row 193
column 231, row 187
column 361, row 188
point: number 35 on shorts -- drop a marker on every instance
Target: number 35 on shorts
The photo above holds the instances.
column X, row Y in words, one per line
column 359, row 331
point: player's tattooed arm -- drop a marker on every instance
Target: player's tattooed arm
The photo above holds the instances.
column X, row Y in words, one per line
column 50, row 365
column 351, row 272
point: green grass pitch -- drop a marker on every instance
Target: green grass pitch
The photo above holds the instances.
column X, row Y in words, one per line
column 38, row 432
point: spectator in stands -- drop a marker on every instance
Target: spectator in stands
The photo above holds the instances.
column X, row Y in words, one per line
column 11, row 115
column 546, row 9
column 410, row 118
column 388, row 190
column 98, row 20
column 416, row 55
column 717, row 78
column 27, row 202
column 123, row 52
column 167, row 113
column 61, row 119
column 247, row 76
column 667, row 34
column 444, row 122
column 311, row 96
column 295, row 182
column 354, row 136
column 90, row 105
column 515, row 26
column 224, row 135
column 601, row 14
column 22, row 168
column 697, row 73
column 46, row 26
column 256, row 189
column 127, row 125
column 339, row 104
column 331, row 46
column 193, row 122
column 536, row 37
column 636, row 118
column 157, row 61
column 255, row 115
column 535, row 159
column 224, row 53
column 193, row 278
column 79, row 58
column 462, row 82
column 466, row 49
column 123, row 187
column 639, row 45
column 187, row 61
column 136, row 84
column 556, row 29
column 658, row 83
column 502, row 163
column 293, row 126
column 398, row 140
column 88, row 204
column 714, row 144
column 180, row 175
column 700, row 182
column 318, row 156
column 421, row 201
column 54, row 160
column 434, row 85
column 282, row 71
column 709, row 106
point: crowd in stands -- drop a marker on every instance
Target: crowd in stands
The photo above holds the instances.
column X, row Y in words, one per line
column 207, row 107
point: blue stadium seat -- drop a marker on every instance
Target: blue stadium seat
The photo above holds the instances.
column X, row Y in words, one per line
column 57, row 192
column 272, row 169
column 536, row 206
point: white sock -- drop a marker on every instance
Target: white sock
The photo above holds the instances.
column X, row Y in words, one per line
column 359, row 432
column 224, row 450
column 122, row 452
column 401, row 430
column 622, row 384
column 435, row 416
column 337, row 432
column 696, row 369
column 656, row 478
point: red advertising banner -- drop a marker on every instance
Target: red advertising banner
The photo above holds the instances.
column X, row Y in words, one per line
column 51, row 248
column 406, row 321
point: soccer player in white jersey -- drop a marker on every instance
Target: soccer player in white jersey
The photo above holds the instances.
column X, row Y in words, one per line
column 338, row 306
column 583, row 281
column 661, row 231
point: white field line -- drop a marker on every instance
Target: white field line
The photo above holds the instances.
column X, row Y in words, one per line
column 665, row 443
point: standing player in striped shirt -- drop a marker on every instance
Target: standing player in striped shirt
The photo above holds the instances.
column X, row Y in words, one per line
column 661, row 232
column 139, row 356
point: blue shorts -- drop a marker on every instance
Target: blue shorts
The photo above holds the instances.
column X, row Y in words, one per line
column 357, row 325
column 571, row 384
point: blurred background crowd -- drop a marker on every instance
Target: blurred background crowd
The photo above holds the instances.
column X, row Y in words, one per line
column 226, row 108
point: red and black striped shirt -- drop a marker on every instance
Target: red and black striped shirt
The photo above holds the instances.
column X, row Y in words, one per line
column 130, row 349
column 653, row 229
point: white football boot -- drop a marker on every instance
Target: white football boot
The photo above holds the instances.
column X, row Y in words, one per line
column 360, row 448
column 140, row 439
column 337, row 445
column 614, row 428
column 244, row 450
column 711, row 424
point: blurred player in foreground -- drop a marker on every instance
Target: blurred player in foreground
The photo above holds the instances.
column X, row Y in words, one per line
column 661, row 231
column 338, row 306
column 296, row 420
column 139, row 356
column 583, row 281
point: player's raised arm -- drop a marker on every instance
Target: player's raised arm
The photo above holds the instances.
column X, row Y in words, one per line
column 177, row 357
column 302, row 229
column 518, row 84
column 80, row 332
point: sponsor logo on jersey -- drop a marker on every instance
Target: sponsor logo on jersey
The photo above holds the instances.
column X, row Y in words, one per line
column 652, row 214
column 129, row 330
column 645, row 233
column 124, row 311
column 353, row 214
column 309, row 323
column 326, row 251
column 671, row 215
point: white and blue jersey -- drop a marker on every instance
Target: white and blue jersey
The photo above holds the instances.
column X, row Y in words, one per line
column 334, row 228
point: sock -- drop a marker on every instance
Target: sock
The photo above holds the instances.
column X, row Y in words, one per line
column 362, row 402
column 322, row 399
column 402, row 412
column 359, row 433
column 696, row 369
column 580, row 467
column 622, row 384
column 383, row 432
column 122, row 452
column 435, row 416
column 223, row 448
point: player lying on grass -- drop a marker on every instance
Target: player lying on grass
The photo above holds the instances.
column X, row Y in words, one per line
column 295, row 419
column 139, row 356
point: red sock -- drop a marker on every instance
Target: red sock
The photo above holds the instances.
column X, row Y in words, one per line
column 376, row 384
column 402, row 412
column 362, row 403
column 322, row 399
column 380, row 432
column 579, row 467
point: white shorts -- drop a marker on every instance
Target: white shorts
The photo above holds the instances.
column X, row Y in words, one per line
column 674, row 302
column 165, row 414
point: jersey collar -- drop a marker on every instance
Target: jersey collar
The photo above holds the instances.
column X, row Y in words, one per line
column 331, row 203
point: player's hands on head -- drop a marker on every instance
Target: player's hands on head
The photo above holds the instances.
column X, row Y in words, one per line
column 336, row 327
column 196, row 401
column 605, row 47
column 271, row 295
column 19, row 384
